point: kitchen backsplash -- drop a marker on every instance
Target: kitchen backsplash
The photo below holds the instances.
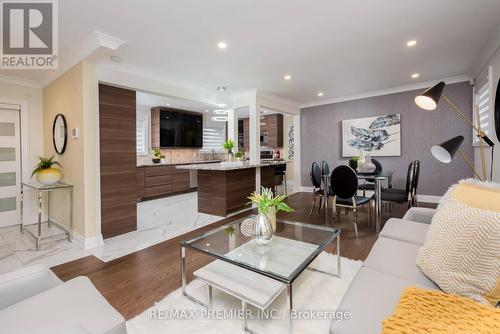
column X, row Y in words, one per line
column 179, row 155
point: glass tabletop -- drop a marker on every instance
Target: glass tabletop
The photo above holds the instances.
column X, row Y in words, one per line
column 381, row 175
column 44, row 187
column 292, row 248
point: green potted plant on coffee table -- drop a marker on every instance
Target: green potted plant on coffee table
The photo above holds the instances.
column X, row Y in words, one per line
column 269, row 204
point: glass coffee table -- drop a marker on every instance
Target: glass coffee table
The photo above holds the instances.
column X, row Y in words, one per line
column 292, row 249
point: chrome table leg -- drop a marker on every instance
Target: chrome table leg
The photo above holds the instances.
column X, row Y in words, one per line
column 378, row 205
column 183, row 270
column 289, row 302
column 39, row 220
column 209, row 291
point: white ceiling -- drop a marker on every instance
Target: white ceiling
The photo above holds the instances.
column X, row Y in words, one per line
column 339, row 47
column 152, row 100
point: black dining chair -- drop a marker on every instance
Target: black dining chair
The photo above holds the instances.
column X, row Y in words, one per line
column 370, row 183
column 409, row 194
column 344, row 185
column 325, row 169
column 280, row 172
column 315, row 175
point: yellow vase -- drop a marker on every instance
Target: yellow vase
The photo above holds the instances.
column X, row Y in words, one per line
column 49, row 176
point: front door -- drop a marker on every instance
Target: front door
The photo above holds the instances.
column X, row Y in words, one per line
column 10, row 166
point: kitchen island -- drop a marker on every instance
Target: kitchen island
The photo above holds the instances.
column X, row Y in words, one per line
column 224, row 187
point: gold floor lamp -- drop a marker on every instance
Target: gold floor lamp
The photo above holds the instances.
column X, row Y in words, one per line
column 444, row 152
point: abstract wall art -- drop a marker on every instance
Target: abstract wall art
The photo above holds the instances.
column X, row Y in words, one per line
column 378, row 136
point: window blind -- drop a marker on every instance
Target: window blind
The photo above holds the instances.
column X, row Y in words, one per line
column 213, row 135
column 142, row 140
column 483, row 102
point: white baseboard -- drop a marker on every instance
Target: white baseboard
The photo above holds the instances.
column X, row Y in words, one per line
column 306, row 189
column 87, row 243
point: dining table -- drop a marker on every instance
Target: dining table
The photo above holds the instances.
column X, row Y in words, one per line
column 378, row 178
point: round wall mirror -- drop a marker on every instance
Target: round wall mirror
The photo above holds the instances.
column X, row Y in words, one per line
column 60, row 134
column 497, row 111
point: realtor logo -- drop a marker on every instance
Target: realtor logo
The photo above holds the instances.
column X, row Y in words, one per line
column 29, row 35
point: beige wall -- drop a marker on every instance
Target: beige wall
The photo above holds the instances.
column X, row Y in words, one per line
column 72, row 95
column 33, row 97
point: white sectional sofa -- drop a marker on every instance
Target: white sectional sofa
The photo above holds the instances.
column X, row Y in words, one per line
column 34, row 300
column 388, row 270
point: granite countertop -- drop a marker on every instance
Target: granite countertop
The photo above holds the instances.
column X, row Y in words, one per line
column 231, row 166
column 149, row 164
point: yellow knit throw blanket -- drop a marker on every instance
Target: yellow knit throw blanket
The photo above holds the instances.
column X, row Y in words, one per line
column 435, row 312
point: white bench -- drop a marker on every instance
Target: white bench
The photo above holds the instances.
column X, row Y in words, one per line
column 252, row 288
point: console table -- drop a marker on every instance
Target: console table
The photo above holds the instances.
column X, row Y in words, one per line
column 63, row 231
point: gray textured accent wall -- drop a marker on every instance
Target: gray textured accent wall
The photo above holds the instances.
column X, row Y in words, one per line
column 321, row 135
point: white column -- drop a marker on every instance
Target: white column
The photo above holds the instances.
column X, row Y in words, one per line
column 232, row 128
column 254, row 132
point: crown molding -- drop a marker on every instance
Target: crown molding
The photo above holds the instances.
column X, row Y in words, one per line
column 393, row 90
column 279, row 99
column 19, row 81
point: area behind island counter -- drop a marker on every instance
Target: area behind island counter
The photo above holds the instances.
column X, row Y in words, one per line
column 223, row 188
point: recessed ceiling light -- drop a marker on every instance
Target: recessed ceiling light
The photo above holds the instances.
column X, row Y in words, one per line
column 415, row 75
column 320, row 94
column 411, row 43
column 287, row 77
column 206, row 110
column 116, row 59
column 221, row 88
column 167, row 104
column 222, row 45
column 221, row 105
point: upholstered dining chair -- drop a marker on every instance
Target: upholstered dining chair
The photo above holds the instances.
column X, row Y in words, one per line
column 370, row 183
column 344, row 185
column 325, row 169
column 409, row 194
column 315, row 175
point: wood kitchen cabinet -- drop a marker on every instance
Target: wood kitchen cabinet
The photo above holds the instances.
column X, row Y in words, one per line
column 163, row 180
column 272, row 125
column 274, row 130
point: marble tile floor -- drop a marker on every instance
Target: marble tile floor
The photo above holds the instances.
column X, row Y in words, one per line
column 157, row 220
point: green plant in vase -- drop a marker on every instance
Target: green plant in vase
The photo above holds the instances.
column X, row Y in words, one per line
column 238, row 156
column 45, row 172
column 157, row 155
column 228, row 146
column 269, row 204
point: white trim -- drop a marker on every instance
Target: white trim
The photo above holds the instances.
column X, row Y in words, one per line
column 87, row 243
column 19, row 81
column 399, row 89
column 306, row 189
column 23, row 108
column 97, row 159
column 279, row 99
column 108, row 41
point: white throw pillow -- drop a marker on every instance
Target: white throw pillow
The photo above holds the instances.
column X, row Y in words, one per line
column 461, row 253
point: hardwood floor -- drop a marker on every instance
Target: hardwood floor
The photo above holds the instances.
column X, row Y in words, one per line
column 136, row 281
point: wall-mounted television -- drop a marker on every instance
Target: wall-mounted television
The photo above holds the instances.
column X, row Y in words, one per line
column 180, row 128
